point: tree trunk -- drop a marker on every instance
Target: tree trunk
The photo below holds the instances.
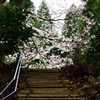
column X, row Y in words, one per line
column 1, row 2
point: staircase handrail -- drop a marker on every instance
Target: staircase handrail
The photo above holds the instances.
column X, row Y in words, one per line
column 15, row 78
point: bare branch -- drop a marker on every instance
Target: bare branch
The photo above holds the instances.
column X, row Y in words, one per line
column 59, row 39
column 33, row 57
column 49, row 19
column 46, row 37
column 35, row 45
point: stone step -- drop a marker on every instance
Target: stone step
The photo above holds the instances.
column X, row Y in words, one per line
column 47, row 95
column 47, row 74
column 51, row 99
column 48, row 91
column 42, row 85
column 32, row 81
column 43, row 73
column 44, row 70
column 44, row 76
column 47, row 85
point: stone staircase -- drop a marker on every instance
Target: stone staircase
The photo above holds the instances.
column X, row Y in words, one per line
column 47, row 84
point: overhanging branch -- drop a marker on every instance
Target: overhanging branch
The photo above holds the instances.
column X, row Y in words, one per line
column 49, row 19
column 46, row 37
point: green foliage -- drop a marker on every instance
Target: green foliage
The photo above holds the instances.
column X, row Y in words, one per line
column 91, row 79
column 88, row 7
column 4, row 79
column 76, row 28
column 44, row 13
column 75, row 24
column 78, row 58
column 34, row 63
column 36, row 23
column 71, row 26
column 13, row 29
column 93, row 8
column 22, row 4
column 94, row 81
column 56, row 51
column 88, row 96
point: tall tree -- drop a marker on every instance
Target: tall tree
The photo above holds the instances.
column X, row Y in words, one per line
column 13, row 29
column 92, row 11
column 43, row 44
column 23, row 4
column 43, row 12
column 75, row 23
column 76, row 27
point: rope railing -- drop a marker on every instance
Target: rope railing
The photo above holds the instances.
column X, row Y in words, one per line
column 11, row 87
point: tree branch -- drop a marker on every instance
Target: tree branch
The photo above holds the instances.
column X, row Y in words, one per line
column 49, row 19
column 46, row 37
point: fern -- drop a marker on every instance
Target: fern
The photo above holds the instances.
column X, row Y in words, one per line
column 91, row 79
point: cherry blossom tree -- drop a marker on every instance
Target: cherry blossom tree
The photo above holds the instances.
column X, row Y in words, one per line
column 49, row 49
